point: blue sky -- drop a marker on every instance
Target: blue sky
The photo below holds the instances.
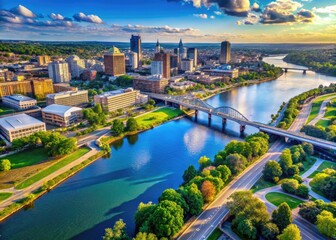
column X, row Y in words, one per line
column 168, row 20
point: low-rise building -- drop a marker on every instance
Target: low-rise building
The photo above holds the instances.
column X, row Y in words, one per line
column 224, row 71
column 21, row 125
column 153, row 83
column 19, row 101
column 62, row 116
column 63, row 87
column 183, row 85
column 118, row 99
column 89, row 75
column 69, row 98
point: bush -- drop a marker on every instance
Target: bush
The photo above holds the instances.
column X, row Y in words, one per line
column 5, row 165
column 290, row 186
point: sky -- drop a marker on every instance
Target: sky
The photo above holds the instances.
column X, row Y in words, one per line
column 239, row 21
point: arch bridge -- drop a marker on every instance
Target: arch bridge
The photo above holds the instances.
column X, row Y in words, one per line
column 229, row 113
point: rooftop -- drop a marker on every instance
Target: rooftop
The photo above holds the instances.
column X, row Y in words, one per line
column 18, row 122
column 66, row 93
column 115, row 92
column 113, row 50
column 151, row 77
column 18, row 98
column 60, row 110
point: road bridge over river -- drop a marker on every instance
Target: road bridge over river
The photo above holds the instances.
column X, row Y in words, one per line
column 229, row 113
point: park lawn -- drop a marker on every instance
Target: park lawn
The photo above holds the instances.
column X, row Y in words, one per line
column 6, row 110
column 4, row 196
column 58, row 165
column 323, row 123
column 277, row 198
column 330, row 113
column 316, row 106
column 27, row 157
column 261, row 184
column 324, row 165
column 308, row 164
column 158, row 116
column 215, row 234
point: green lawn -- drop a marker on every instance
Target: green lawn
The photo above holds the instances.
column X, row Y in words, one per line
column 5, row 110
column 261, row 184
column 158, row 116
column 307, row 165
column 277, row 198
column 323, row 123
column 316, row 106
column 61, row 163
column 215, row 234
column 4, row 196
column 27, row 158
column 324, row 165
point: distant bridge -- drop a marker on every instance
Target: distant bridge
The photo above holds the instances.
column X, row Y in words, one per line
column 229, row 113
column 304, row 70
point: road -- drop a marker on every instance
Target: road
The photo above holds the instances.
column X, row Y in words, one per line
column 322, row 111
column 301, row 119
column 209, row 219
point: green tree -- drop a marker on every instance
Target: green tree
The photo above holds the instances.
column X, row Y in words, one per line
column 117, row 233
column 285, row 161
column 291, row 232
column 98, row 108
column 174, row 196
column 308, row 148
column 270, row 231
column 309, row 211
column 225, row 172
column 131, row 125
column 282, row 216
column 193, row 198
column 290, row 186
column 145, row 236
column 236, row 163
column 204, row 162
column 167, row 219
column 272, row 171
column 144, row 211
column 5, row 165
column 246, row 229
column 189, row 173
column 326, row 224
column 117, row 127
column 302, row 191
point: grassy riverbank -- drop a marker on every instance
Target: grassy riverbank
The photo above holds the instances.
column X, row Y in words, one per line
column 158, row 117
column 27, row 157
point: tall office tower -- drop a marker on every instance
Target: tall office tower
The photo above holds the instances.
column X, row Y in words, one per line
column 182, row 50
column 174, row 61
column 114, row 62
column 43, row 60
column 76, row 65
column 157, row 68
column 59, row 71
column 133, row 60
column 135, row 43
column 165, row 58
column 192, row 54
column 225, row 55
column 157, row 48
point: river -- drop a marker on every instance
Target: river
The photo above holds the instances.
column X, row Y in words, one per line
column 142, row 166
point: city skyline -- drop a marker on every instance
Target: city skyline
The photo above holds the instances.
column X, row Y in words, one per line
column 239, row 21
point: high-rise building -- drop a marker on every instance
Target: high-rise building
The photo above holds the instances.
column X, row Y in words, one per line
column 157, row 68
column 225, row 55
column 114, row 62
column 135, row 45
column 165, row 59
column 182, row 50
column 187, row 64
column 76, row 65
column 43, row 60
column 133, row 60
column 192, row 54
column 158, row 47
column 59, row 71
column 174, row 61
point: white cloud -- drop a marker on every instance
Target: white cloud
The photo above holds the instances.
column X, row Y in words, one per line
column 54, row 16
column 212, row 17
column 202, row 15
column 327, row 9
column 218, row 12
column 23, row 11
column 81, row 17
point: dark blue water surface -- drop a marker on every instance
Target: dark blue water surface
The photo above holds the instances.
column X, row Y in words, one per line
column 142, row 166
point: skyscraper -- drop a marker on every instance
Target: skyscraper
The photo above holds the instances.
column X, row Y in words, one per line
column 182, row 49
column 225, row 55
column 135, row 43
column 165, row 59
column 158, row 47
column 192, row 54
column 76, row 65
column 133, row 60
column 114, row 62
column 59, row 71
column 157, row 68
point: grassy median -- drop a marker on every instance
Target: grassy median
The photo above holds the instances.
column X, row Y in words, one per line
column 316, row 106
column 58, row 165
column 157, row 117
column 4, row 196
column 277, row 198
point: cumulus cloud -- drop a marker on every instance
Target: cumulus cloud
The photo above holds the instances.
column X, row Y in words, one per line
column 212, row 17
column 56, row 17
column 202, row 15
column 218, row 12
column 81, row 17
column 150, row 29
column 255, row 7
column 285, row 11
column 327, row 9
column 251, row 19
column 23, row 11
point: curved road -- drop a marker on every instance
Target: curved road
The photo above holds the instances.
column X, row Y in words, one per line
column 322, row 111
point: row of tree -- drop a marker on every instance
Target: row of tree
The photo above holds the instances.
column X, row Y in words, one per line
column 328, row 133
column 95, row 115
column 295, row 103
column 55, row 143
column 322, row 214
column 200, row 186
column 325, row 182
column 251, row 219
